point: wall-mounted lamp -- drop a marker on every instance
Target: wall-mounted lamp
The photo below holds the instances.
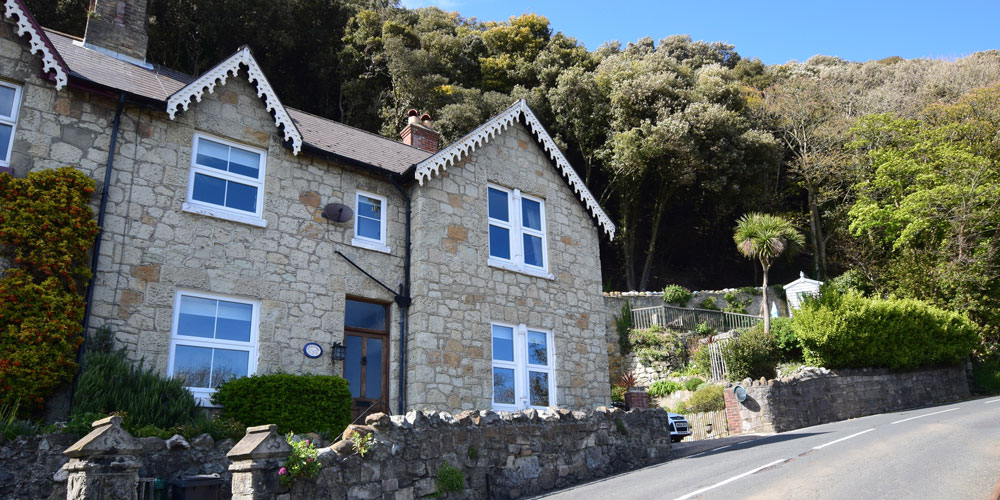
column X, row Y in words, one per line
column 338, row 352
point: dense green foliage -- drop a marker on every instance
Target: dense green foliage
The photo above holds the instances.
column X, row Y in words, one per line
column 708, row 398
column 145, row 397
column 787, row 344
column 303, row 461
column 700, row 362
column 662, row 388
column 693, row 383
column 676, row 295
column 449, row 479
column 851, row 331
column 986, row 377
column 658, row 345
column 298, row 403
column 754, row 354
column 46, row 229
column 623, row 326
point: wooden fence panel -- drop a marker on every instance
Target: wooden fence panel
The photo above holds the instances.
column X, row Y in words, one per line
column 700, row 428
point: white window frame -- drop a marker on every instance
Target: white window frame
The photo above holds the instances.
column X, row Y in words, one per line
column 521, row 367
column 516, row 231
column 371, row 243
column 203, row 395
column 218, row 211
column 15, row 110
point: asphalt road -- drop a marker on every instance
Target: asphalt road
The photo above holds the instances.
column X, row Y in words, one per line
column 942, row 452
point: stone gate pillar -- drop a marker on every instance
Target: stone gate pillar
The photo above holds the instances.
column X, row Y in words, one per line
column 256, row 460
column 103, row 464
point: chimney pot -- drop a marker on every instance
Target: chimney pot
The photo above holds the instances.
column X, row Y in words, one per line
column 418, row 132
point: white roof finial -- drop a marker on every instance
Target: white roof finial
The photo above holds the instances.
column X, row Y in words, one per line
column 802, row 275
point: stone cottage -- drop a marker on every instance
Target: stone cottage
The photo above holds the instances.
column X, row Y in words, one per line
column 241, row 236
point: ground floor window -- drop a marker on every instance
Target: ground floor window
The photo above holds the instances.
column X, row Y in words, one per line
column 523, row 374
column 213, row 339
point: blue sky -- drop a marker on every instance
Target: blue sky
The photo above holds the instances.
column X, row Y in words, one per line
column 774, row 31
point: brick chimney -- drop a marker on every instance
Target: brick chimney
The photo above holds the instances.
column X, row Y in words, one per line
column 118, row 27
column 418, row 132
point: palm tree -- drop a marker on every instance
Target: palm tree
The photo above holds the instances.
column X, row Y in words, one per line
column 765, row 237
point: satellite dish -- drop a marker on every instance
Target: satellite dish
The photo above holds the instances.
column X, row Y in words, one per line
column 338, row 212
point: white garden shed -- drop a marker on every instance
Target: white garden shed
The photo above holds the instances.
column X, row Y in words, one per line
column 799, row 288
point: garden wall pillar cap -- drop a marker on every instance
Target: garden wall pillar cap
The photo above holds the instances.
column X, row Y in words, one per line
column 262, row 441
column 106, row 438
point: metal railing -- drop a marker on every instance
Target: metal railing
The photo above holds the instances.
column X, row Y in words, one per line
column 686, row 319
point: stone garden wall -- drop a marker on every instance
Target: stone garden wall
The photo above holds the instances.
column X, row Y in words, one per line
column 817, row 396
column 500, row 455
column 30, row 466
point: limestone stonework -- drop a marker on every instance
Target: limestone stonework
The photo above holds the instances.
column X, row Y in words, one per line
column 457, row 294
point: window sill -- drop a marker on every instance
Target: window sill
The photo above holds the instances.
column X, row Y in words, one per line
column 510, row 266
column 252, row 220
column 370, row 245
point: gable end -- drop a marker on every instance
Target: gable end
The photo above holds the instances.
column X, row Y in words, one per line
column 484, row 133
column 218, row 76
column 40, row 44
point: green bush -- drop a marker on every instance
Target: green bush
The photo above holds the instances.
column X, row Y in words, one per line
column 676, row 294
column 623, row 325
column 753, row 354
column 735, row 303
column 449, row 479
column 704, row 329
column 986, row 377
column 708, row 303
column 692, row 384
column 299, row 403
column 617, row 394
column 701, row 362
column 708, row 398
column 111, row 383
column 850, row 331
column 658, row 345
column 662, row 388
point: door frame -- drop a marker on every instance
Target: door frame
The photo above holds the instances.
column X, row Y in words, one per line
column 365, row 333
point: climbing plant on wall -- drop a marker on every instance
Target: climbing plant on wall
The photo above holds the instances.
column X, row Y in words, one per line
column 46, row 230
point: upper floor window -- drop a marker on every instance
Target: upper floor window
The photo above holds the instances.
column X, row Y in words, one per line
column 517, row 231
column 213, row 339
column 226, row 180
column 370, row 222
column 10, row 104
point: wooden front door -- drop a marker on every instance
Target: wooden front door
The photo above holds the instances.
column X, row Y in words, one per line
column 366, row 363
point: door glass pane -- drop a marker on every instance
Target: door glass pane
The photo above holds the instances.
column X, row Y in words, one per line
column 533, row 251
column 538, row 351
column 227, row 364
column 538, row 388
column 498, row 205
column 531, row 214
column 373, row 369
column 241, row 197
column 352, row 364
column 193, row 365
column 7, row 100
column 367, row 315
column 234, row 321
column 244, row 162
column 5, row 131
column 209, row 189
column 499, row 242
column 212, row 154
column 503, row 385
column 370, row 228
column 197, row 317
column 503, row 343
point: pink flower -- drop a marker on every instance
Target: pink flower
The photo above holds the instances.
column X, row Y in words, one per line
column 282, row 471
column 309, row 460
column 307, row 442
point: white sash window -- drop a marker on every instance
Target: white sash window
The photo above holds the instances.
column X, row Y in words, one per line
column 523, row 373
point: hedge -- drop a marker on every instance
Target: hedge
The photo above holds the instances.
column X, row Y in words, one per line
column 753, row 354
column 851, row 331
column 296, row 403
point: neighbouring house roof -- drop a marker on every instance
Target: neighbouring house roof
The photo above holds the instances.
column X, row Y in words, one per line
column 160, row 83
column 803, row 283
column 479, row 137
column 52, row 62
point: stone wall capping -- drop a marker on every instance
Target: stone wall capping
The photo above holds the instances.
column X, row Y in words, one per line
column 107, row 438
column 260, row 442
column 380, row 421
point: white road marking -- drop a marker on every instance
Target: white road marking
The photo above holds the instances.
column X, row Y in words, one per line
column 994, row 401
column 841, row 439
column 727, row 481
column 924, row 415
column 721, row 447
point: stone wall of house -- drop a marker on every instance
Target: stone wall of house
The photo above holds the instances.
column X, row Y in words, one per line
column 457, row 294
column 152, row 248
column 817, row 396
column 30, row 465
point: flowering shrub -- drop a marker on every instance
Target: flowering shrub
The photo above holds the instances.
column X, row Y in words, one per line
column 302, row 462
column 46, row 229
